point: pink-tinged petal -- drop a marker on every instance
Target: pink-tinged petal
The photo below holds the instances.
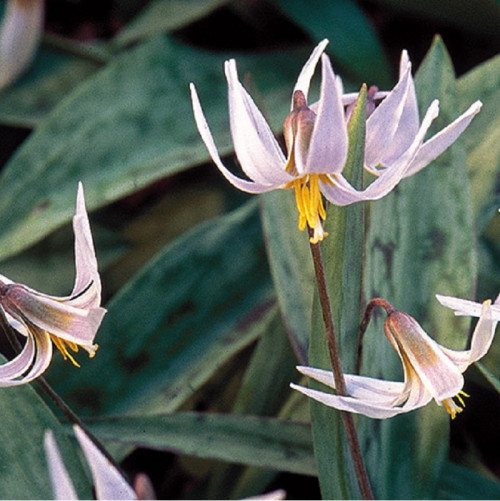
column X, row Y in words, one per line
column 50, row 314
column 255, row 146
column 206, row 135
column 461, row 306
column 328, row 146
column 109, row 483
column 350, row 404
column 464, row 307
column 408, row 122
column 382, row 124
column 436, row 371
column 340, row 192
column 482, row 337
column 351, row 97
column 433, row 147
column 19, row 365
column 87, row 288
column 372, row 390
column 20, row 33
column 304, row 79
column 62, row 486
column 40, row 345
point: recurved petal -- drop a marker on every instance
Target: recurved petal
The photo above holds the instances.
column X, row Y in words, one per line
column 38, row 347
column 255, row 146
column 436, row 371
column 19, row 365
column 62, row 486
column 372, row 390
column 87, row 288
column 109, row 483
column 206, row 135
column 409, row 121
column 382, row 124
column 328, row 146
column 482, row 337
column 50, row 314
column 304, row 79
column 358, row 406
column 438, row 143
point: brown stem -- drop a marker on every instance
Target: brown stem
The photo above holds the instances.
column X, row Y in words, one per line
column 338, row 375
column 364, row 324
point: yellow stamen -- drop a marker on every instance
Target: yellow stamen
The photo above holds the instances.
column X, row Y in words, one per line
column 60, row 344
column 452, row 408
column 310, row 203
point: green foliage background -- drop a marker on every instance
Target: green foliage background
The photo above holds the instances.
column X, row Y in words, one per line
column 210, row 293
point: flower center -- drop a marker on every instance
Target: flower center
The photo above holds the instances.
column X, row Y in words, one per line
column 310, row 203
column 451, row 406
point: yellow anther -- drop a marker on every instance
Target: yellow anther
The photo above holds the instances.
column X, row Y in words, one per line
column 452, row 408
column 60, row 344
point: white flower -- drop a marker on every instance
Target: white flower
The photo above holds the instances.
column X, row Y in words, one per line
column 20, row 34
column 68, row 322
column 108, row 481
column 317, row 140
column 431, row 371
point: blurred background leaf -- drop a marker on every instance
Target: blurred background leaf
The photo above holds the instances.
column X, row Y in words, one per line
column 354, row 45
column 197, row 303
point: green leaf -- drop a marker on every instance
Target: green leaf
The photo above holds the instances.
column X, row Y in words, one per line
column 343, row 256
column 162, row 16
column 52, row 76
column 127, row 126
column 459, row 482
column 481, row 138
column 490, row 377
column 353, row 41
column 420, row 242
column 23, row 466
column 251, row 440
column 265, row 386
column 177, row 321
column 291, row 266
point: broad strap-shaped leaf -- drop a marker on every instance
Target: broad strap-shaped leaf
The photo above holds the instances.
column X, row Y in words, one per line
column 197, row 303
column 251, row 440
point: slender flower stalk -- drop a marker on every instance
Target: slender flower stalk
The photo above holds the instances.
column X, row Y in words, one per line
column 338, row 375
column 317, row 141
column 431, row 371
column 20, row 34
column 67, row 322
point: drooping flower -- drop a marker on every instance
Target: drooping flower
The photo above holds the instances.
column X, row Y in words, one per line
column 317, row 141
column 68, row 322
column 108, row 481
column 431, row 371
column 20, row 34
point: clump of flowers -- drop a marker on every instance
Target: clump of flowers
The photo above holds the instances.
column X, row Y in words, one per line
column 317, row 140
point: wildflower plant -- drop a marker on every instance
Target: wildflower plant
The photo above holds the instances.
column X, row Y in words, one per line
column 213, row 297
